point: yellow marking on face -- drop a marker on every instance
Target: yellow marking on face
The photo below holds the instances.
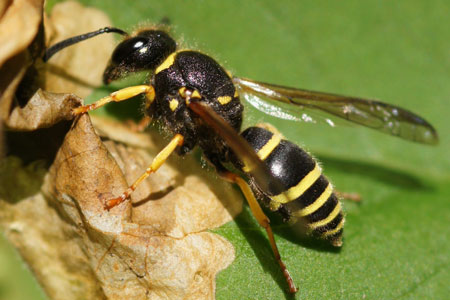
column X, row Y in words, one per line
column 196, row 94
column 224, row 99
column 166, row 63
column 298, row 190
column 269, row 147
column 328, row 219
column 236, row 94
column 316, row 204
column 173, row 104
column 335, row 230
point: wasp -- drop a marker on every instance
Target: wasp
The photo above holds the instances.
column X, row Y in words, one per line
column 199, row 103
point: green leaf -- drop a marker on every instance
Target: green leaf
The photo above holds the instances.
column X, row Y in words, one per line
column 396, row 243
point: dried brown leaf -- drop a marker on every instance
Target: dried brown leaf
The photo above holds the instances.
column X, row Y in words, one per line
column 43, row 110
column 157, row 248
column 19, row 25
column 22, row 48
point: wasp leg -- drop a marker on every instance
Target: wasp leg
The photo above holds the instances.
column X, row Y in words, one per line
column 354, row 197
column 262, row 220
column 117, row 96
column 162, row 156
column 140, row 126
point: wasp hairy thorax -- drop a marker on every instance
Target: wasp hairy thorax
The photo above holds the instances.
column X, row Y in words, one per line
column 198, row 102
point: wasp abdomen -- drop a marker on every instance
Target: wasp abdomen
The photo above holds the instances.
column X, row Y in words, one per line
column 307, row 196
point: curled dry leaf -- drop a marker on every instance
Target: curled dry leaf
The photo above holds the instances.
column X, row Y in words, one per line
column 157, row 248
column 23, row 41
column 43, row 110
column 19, row 25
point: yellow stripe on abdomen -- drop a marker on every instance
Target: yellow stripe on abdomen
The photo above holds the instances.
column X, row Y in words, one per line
column 328, row 219
column 298, row 190
column 265, row 151
column 269, row 147
column 335, row 230
column 316, row 204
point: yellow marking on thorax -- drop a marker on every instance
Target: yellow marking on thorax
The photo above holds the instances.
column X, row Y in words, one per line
column 236, row 94
column 196, row 94
column 298, row 190
column 182, row 91
column 173, row 104
column 167, row 63
column 335, row 230
column 224, row 99
column 316, row 204
column 269, row 147
column 328, row 219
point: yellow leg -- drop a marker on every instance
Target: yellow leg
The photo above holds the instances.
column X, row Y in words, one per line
column 162, row 156
column 117, row 96
column 263, row 221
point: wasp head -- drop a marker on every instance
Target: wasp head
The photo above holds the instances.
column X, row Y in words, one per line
column 143, row 51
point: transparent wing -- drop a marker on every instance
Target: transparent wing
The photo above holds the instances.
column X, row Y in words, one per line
column 290, row 112
column 299, row 105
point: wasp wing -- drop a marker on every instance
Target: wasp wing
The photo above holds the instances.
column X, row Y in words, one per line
column 257, row 168
column 290, row 112
column 380, row 116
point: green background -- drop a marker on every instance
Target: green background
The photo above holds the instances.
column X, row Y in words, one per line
column 396, row 243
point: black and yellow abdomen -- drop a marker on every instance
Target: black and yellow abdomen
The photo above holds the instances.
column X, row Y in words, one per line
column 307, row 197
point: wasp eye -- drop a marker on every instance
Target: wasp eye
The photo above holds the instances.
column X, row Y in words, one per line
column 128, row 52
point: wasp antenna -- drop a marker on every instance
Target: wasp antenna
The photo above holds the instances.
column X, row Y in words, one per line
column 79, row 38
